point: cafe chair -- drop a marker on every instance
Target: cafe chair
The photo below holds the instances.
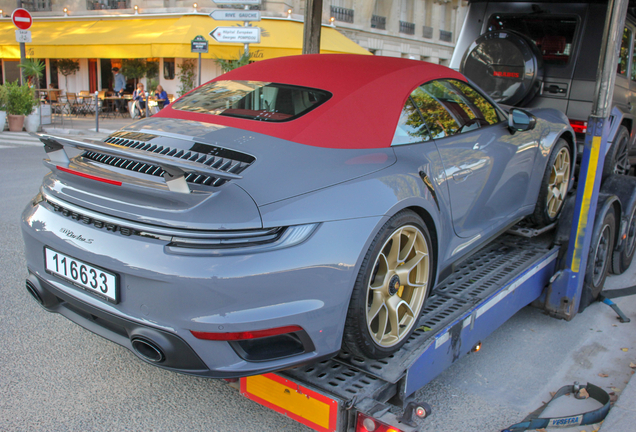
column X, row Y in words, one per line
column 75, row 107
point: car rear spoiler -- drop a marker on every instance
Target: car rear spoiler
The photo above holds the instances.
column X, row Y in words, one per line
column 174, row 169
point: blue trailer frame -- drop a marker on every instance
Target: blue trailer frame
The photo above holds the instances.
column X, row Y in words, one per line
column 459, row 317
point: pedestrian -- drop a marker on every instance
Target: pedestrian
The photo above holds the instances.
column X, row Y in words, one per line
column 119, row 87
column 161, row 96
column 139, row 100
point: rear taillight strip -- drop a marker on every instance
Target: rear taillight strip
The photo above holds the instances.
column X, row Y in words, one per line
column 88, row 176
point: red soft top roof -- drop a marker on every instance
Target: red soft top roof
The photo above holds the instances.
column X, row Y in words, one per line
column 368, row 95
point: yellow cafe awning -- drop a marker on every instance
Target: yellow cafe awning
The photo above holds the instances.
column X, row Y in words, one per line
column 160, row 36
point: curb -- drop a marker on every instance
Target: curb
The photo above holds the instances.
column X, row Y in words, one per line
column 60, row 131
column 622, row 415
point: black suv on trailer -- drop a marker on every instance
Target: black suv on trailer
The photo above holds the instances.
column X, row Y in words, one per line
column 545, row 54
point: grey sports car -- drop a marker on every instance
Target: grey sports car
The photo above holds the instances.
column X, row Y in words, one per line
column 285, row 208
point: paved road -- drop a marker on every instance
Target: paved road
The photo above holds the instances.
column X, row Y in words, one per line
column 56, row 376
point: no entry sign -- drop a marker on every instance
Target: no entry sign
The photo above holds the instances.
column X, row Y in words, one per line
column 22, row 19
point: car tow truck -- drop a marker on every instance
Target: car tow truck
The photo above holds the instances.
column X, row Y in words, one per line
column 560, row 270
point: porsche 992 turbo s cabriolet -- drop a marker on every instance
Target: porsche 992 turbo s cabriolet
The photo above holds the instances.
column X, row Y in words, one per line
column 286, row 208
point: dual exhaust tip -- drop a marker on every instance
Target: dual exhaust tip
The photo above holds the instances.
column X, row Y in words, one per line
column 148, row 350
column 142, row 345
column 40, row 295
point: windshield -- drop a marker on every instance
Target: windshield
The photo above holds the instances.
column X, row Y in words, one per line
column 254, row 100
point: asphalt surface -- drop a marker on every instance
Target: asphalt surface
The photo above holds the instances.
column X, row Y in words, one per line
column 56, row 376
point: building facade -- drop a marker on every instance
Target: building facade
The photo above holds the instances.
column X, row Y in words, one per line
column 416, row 29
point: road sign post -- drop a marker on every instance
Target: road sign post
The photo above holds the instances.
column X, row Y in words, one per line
column 237, row 34
column 22, row 19
column 226, row 34
column 23, row 36
column 199, row 45
column 238, row 2
column 236, row 15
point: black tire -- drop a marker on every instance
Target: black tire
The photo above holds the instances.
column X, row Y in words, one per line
column 617, row 158
column 599, row 258
column 368, row 328
column 550, row 202
column 621, row 260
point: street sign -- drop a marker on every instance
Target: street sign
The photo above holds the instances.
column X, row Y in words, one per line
column 199, row 45
column 23, row 36
column 236, row 15
column 237, row 34
column 238, row 2
column 22, row 19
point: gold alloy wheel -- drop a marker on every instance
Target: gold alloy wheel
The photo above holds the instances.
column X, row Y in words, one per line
column 558, row 184
column 398, row 286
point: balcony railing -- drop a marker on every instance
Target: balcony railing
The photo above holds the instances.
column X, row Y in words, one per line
column 407, row 28
column 378, row 22
column 107, row 4
column 445, row 36
column 428, row 32
column 342, row 14
column 36, row 5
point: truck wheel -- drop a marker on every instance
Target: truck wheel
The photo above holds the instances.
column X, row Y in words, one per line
column 621, row 260
column 554, row 185
column 394, row 280
column 599, row 258
column 617, row 158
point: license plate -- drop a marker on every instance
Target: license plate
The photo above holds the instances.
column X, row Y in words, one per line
column 306, row 406
column 86, row 276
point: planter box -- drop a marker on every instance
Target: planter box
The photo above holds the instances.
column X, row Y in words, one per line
column 16, row 122
column 46, row 114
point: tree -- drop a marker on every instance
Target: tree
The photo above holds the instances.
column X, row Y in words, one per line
column 134, row 69
column 152, row 73
column 67, row 67
column 187, row 76
column 33, row 70
column 228, row 65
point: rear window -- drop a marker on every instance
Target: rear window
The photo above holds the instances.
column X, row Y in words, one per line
column 552, row 35
column 254, row 100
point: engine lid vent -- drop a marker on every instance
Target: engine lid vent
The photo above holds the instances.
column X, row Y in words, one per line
column 219, row 158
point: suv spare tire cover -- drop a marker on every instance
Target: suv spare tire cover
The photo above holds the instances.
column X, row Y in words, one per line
column 506, row 65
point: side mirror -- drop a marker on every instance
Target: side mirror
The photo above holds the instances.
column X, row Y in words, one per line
column 520, row 120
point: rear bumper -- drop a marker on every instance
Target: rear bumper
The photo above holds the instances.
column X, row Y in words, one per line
column 163, row 296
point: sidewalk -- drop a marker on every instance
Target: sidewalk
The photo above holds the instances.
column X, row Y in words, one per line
column 80, row 125
column 622, row 415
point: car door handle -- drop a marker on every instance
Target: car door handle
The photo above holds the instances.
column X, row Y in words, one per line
column 462, row 175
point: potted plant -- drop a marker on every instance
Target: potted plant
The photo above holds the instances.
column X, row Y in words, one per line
column 67, row 67
column 134, row 69
column 20, row 102
column 3, row 107
column 33, row 70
